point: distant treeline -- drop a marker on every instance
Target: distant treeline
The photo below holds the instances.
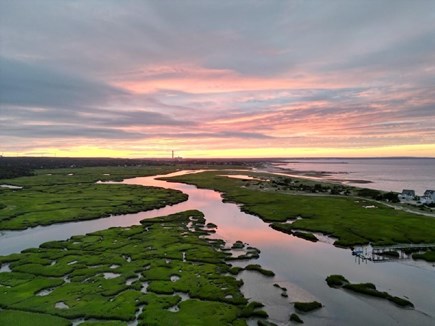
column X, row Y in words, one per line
column 12, row 167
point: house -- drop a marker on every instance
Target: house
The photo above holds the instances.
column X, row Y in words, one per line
column 428, row 197
column 407, row 194
column 430, row 193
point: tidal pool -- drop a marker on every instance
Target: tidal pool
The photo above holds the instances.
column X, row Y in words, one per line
column 300, row 266
column 10, row 187
column 240, row 176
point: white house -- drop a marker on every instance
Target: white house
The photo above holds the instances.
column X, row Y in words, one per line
column 430, row 193
column 407, row 194
column 428, row 197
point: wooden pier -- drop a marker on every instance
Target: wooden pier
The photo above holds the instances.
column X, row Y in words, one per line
column 406, row 246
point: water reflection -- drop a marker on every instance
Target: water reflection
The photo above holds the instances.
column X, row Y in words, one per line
column 240, row 176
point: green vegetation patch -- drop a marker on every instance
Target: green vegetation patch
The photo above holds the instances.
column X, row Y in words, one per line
column 428, row 256
column 305, row 235
column 346, row 218
column 160, row 271
column 295, row 318
column 308, row 306
column 65, row 196
column 238, row 245
column 261, row 270
column 67, row 176
column 253, row 309
column 104, row 323
column 17, row 318
column 338, row 281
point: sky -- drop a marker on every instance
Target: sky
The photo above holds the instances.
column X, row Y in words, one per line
column 301, row 78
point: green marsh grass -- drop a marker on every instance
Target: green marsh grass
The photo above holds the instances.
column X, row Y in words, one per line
column 60, row 197
column 343, row 217
column 149, row 264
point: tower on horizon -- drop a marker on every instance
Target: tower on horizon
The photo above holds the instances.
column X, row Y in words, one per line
column 173, row 154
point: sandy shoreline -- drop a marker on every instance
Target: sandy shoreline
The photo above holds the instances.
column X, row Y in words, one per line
column 274, row 168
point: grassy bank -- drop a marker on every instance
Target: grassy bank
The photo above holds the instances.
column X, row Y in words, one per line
column 369, row 289
column 64, row 195
column 346, row 218
column 428, row 256
column 67, row 176
column 160, row 271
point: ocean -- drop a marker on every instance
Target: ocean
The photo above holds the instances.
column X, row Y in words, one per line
column 388, row 174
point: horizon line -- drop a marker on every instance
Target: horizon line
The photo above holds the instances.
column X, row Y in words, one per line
column 222, row 158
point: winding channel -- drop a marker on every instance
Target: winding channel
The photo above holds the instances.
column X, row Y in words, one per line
column 299, row 265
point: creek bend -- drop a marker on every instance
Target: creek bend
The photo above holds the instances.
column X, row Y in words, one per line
column 300, row 266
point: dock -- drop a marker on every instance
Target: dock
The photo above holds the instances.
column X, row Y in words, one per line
column 379, row 254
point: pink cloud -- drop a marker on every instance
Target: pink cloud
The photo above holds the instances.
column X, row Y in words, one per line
column 195, row 79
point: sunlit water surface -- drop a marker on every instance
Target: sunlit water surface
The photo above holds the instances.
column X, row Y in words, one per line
column 388, row 174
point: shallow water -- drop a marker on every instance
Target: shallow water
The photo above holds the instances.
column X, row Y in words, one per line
column 300, row 266
column 61, row 305
column 44, row 292
column 388, row 174
column 109, row 276
column 240, row 176
column 10, row 187
column 5, row 268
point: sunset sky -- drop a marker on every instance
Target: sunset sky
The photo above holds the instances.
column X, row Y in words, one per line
column 217, row 78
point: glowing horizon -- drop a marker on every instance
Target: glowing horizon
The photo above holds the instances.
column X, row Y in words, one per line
column 242, row 79
column 389, row 151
